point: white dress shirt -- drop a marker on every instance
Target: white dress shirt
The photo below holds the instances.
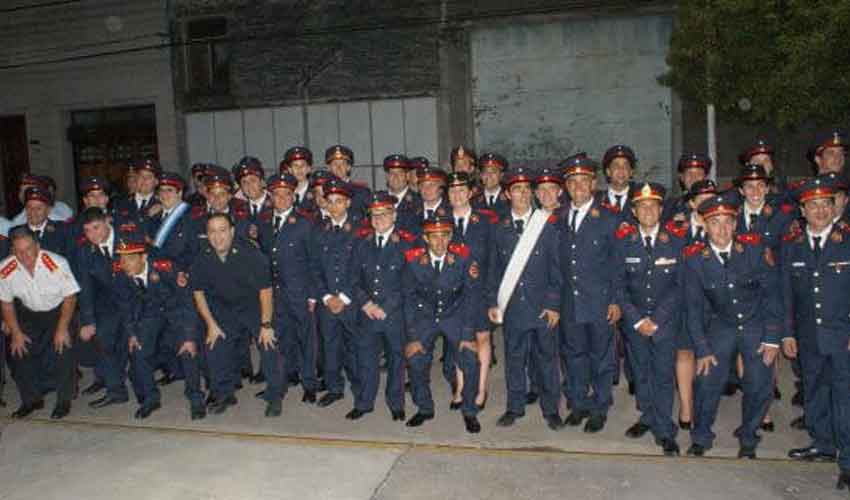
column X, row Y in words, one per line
column 44, row 290
column 582, row 213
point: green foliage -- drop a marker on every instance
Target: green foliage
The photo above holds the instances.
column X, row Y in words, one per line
column 788, row 58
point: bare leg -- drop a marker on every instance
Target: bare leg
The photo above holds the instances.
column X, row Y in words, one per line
column 484, row 355
column 685, row 369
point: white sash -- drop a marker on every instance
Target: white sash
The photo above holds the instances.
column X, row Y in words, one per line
column 519, row 258
column 168, row 224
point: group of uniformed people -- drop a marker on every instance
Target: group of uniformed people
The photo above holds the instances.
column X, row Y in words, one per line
column 332, row 284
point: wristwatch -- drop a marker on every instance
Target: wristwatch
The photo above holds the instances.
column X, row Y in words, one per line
column 266, row 324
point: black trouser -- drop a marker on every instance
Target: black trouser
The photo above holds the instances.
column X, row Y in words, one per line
column 40, row 328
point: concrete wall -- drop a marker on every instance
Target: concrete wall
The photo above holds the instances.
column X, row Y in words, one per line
column 544, row 90
column 78, row 34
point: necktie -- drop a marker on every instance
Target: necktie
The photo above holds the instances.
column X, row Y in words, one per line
column 724, row 257
column 142, row 203
column 429, row 213
column 437, row 264
column 337, row 228
column 520, row 225
column 297, row 198
column 253, row 210
column 380, row 242
column 140, row 283
column 816, row 240
column 39, row 234
column 753, row 218
column 276, row 223
column 165, row 214
column 647, row 243
column 619, row 199
column 573, row 218
column 492, row 201
column 105, row 251
column 699, row 232
column 460, row 226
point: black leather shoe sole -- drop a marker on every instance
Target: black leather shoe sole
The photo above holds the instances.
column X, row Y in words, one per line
column 419, row 419
column 27, row 410
column 61, row 411
column 308, row 397
column 329, row 399
column 219, row 407
column 696, row 450
column 107, row 401
column 508, row 419
column 575, row 418
column 146, row 411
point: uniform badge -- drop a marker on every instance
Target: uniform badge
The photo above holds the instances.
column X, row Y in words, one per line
column 474, row 271
column 663, row 238
column 836, row 237
column 739, row 247
column 154, row 277
column 424, row 260
column 594, row 212
column 706, row 253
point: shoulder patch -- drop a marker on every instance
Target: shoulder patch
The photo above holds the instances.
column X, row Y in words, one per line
column 694, row 249
column 749, row 238
column 364, row 232
column 414, row 253
column 460, row 249
column 8, row 269
column 787, row 208
column 677, row 229
column 553, row 219
column 490, row 214
column 611, row 208
column 406, row 235
column 624, row 230
column 49, row 263
column 163, row 265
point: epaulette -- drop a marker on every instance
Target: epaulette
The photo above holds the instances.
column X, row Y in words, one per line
column 406, row 235
column 459, row 249
column 749, row 238
column 787, row 208
column 364, row 232
column 491, row 215
column 679, row 230
column 49, row 263
column 240, row 213
column 794, row 231
column 624, row 230
column 553, row 219
column 695, row 248
column 414, row 253
column 8, row 269
column 198, row 211
column 163, row 265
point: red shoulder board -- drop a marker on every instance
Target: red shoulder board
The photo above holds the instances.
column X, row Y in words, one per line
column 459, row 249
column 787, row 208
column 553, row 219
column 240, row 213
column 364, row 232
column 198, row 211
column 8, row 269
column 611, row 208
column 694, row 249
column 749, row 238
column 792, row 186
column 163, row 265
column 82, row 240
column 624, row 230
column 414, row 253
column 266, row 215
column 49, row 263
column 676, row 229
column 490, row 214
column 406, row 235
column 116, row 267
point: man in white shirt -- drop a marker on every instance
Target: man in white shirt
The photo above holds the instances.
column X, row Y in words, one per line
column 38, row 294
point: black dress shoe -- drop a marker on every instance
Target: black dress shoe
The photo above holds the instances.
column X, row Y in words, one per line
column 508, row 418
column 685, row 426
column 322, row 387
column 398, row 415
column 531, row 398
column 247, row 373
column 198, row 413
column 767, row 426
column 637, row 431
column 631, row 388
column 308, row 397
column 472, row 425
column 294, row 379
column 843, row 480
column 554, row 421
column 595, row 424
column 730, row 389
column 419, row 419
column 455, row 405
column 483, row 403
column 96, row 386
column 799, row 423
column 145, row 411
column 747, row 452
column 221, row 405
column 575, row 418
column 696, row 450
column 211, row 399
column 107, row 401
column 356, row 414
column 61, row 410
column 329, row 399
column 670, row 447
column 167, row 379
column 274, row 408
column 257, row 378
column 797, row 399
column 812, row 454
